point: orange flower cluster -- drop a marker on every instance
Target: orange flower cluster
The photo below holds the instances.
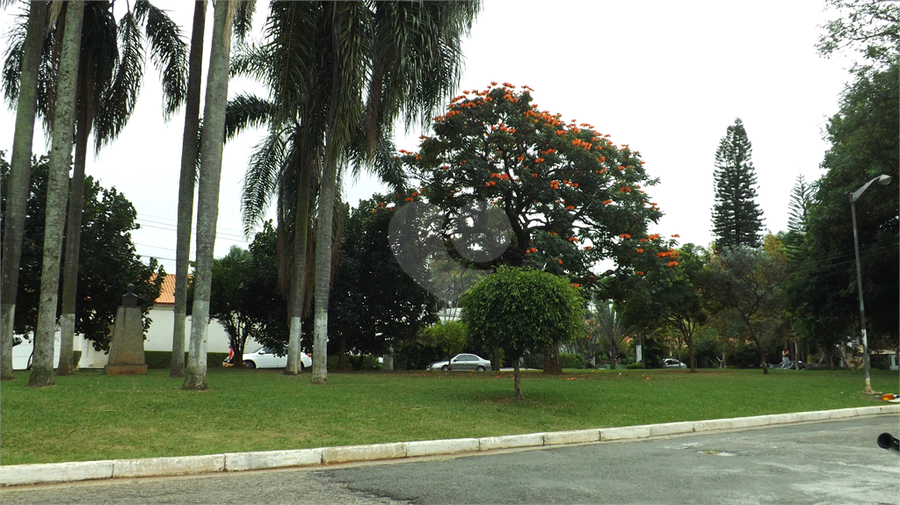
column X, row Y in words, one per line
column 544, row 116
column 560, row 132
column 539, row 160
column 491, row 183
column 655, row 236
column 554, row 184
column 574, row 285
column 548, row 151
column 639, row 250
column 534, row 174
column 624, row 235
column 532, row 250
column 625, row 189
column 607, row 202
column 588, row 247
column 573, row 239
column 504, row 177
column 570, row 207
column 581, row 143
column 639, row 272
column 673, row 264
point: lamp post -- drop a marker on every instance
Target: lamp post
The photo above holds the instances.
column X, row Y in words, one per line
column 854, row 196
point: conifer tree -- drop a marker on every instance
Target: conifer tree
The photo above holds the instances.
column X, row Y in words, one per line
column 737, row 218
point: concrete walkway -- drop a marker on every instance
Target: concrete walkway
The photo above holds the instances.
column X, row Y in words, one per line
column 17, row 475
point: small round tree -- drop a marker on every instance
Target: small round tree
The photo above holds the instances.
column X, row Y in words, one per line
column 518, row 310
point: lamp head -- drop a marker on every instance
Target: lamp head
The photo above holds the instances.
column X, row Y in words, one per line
column 884, row 179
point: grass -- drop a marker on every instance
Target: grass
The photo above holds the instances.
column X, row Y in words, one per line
column 92, row 416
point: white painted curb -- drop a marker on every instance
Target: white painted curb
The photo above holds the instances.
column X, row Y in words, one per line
column 17, row 475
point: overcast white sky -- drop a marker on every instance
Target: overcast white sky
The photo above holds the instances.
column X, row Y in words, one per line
column 665, row 77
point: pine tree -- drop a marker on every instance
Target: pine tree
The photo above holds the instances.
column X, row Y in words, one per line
column 798, row 209
column 737, row 218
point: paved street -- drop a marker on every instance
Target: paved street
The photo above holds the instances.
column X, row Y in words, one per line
column 814, row 463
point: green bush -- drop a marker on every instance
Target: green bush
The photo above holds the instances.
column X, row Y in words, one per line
column 76, row 357
column 632, row 366
column 571, row 361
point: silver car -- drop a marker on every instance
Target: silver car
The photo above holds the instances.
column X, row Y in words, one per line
column 462, row 362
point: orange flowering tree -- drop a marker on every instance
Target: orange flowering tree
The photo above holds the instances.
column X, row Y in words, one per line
column 573, row 198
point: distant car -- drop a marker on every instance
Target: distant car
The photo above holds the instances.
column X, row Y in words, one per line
column 461, row 362
column 266, row 358
column 673, row 363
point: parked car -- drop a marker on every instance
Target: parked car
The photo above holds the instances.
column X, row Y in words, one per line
column 266, row 358
column 673, row 363
column 462, row 362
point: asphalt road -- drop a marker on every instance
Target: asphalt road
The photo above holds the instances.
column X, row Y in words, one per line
column 813, row 463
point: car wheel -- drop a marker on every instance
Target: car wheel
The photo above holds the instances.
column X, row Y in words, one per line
column 445, row 368
column 480, row 368
column 249, row 364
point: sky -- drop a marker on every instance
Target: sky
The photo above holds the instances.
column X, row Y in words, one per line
column 666, row 78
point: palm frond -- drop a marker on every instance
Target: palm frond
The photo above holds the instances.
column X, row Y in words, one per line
column 168, row 51
column 243, row 18
column 250, row 60
column 117, row 102
column 261, row 179
column 246, row 111
column 12, row 60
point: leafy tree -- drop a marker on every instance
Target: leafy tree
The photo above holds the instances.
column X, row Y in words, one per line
column 449, row 336
column 519, row 310
column 737, row 218
column 17, row 188
column 109, row 264
column 672, row 297
column 864, row 144
column 573, row 199
column 798, row 215
column 375, row 305
column 747, row 282
column 242, row 298
column 871, row 27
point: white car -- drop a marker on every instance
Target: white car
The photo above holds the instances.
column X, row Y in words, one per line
column 462, row 362
column 266, row 358
column 673, row 363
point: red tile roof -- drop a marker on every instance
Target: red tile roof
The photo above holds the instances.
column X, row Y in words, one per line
column 167, row 291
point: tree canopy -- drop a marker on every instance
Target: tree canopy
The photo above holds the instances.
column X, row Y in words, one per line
column 108, row 265
column 519, row 310
column 572, row 197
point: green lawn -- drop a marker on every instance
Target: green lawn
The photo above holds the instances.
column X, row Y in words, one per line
column 91, row 416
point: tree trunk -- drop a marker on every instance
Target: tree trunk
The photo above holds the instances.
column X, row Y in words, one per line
column 19, row 181
column 551, row 360
column 325, row 219
column 298, row 269
column 517, row 379
column 208, row 189
column 73, row 243
column 186, row 187
column 57, row 189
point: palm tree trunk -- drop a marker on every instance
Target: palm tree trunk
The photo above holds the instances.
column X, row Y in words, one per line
column 298, row 274
column 73, row 245
column 325, row 219
column 19, row 181
column 189, row 150
column 60, row 158
column 208, row 189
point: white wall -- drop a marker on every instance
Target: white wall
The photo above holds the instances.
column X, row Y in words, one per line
column 157, row 338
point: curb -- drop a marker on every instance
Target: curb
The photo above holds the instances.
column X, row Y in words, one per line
column 20, row 475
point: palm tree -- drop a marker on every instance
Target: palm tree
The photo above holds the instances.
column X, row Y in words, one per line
column 106, row 94
column 341, row 73
column 189, row 150
column 60, row 157
column 409, row 56
column 609, row 329
column 20, row 174
column 208, row 188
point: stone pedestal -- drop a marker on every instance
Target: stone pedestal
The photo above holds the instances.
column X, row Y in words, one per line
column 126, row 349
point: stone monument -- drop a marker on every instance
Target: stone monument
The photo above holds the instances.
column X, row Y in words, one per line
column 126, row 350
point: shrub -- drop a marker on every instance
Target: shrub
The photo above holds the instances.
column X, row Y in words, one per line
column 632, row 366
column 571, row 361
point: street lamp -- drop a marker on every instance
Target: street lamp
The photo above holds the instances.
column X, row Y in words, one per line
column 854, row 196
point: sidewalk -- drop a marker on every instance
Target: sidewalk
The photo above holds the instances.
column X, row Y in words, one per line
column 17, row 475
